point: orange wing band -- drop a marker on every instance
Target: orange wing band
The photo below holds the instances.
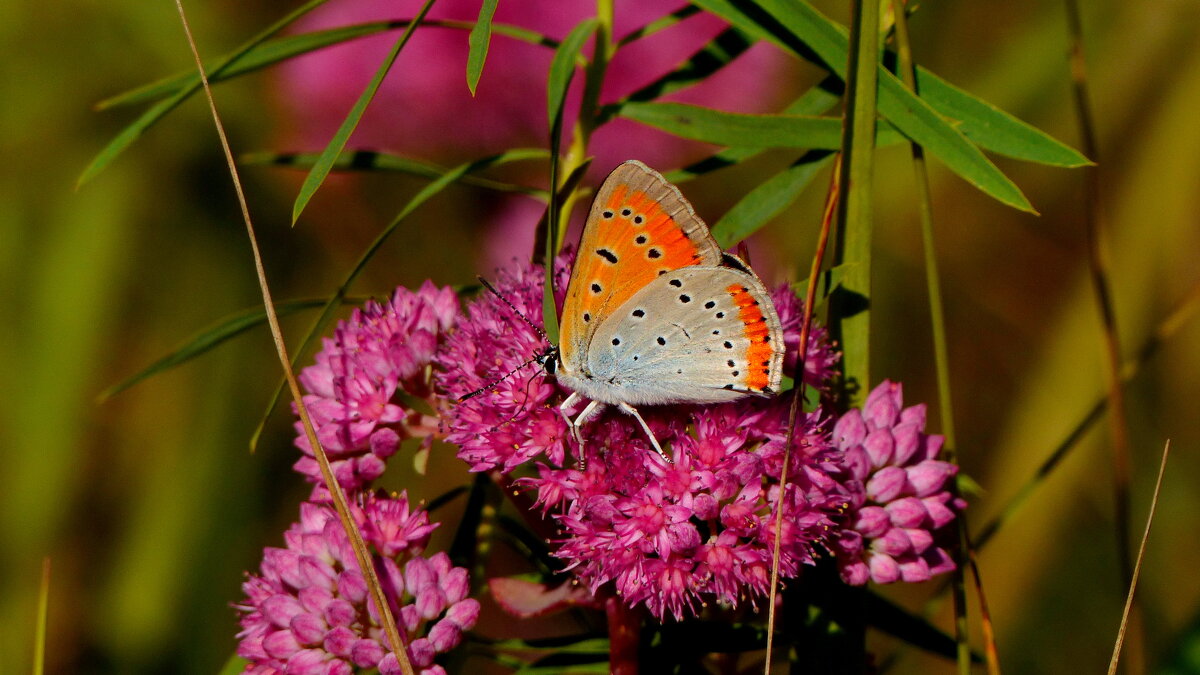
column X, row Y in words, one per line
column 758, row 354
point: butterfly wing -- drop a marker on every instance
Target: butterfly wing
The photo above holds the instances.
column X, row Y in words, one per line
column 640, row 226
column 694, row 335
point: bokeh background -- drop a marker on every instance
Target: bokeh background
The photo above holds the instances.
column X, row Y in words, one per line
column 150, row 504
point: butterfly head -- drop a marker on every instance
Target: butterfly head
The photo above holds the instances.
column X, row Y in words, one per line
column 548, row 359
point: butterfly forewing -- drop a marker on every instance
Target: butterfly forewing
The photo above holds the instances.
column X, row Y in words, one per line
column 639, row 227
column 697, row 334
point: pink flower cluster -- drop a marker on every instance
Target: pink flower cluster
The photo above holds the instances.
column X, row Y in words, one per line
column 670, row 536
column 382, row 350
column 899, row 493
column 308, row 612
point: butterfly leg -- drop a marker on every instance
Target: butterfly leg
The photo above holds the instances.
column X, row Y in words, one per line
column 625, row 407
column 592, row 410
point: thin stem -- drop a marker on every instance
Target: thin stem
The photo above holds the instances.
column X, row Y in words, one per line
column 624, row 629
column 810, row 296
column 335, row 490
column 1098, row 273
column 1137, row 567
column 937, row 317
column 589, row 108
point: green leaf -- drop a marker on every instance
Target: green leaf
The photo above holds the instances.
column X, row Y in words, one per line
column 815, row 101
column 767, row 200
column 369, row 160
column 800, row 28
column 479, row 40
column 562, row 68
column 994, row 129
column 426, row 193
column 148, row 118
column 329, row 155
column 209, row 338
column 740, row 129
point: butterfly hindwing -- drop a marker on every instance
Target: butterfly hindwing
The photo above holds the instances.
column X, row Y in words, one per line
column 696, row 334
column 640, row 226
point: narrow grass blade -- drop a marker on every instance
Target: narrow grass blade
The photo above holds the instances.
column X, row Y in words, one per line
column 741, row 129
column 479, row 41
column 204, row 341
column 147, row 119
column 582, row 645
column 1137, row 567
column 336, row 144
column 369, row 160
column 562, row 68
column 43, row 617
column 767, row 200
column 798, row 27
column 427, row 193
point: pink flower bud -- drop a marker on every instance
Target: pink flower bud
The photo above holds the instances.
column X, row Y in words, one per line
column 880, row 447
column 886, row 484
column 366, row 653
column 930, row 476
column 444, row 635
column 279, row 609
column 464, row 613
column 280, row 644
column 309, row 629
column 340, row 613
column 907, row 512
column 873, row 521
column 421, row 652
column 914, row 570
column 884, row 569
column 307, row 662
column 894, row 543
column 340, row 642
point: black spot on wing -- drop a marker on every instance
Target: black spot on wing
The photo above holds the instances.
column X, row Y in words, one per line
column 607, row 255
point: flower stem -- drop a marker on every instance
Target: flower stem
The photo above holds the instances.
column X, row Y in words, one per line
column 624, row 628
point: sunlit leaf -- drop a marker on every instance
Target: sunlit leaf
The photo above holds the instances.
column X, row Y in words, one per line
column 479, row 41
column 329, row 155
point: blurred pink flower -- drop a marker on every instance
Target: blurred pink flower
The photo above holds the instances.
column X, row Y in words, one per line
column 424, row 106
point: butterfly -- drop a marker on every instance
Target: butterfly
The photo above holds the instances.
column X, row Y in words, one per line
column 656, row 313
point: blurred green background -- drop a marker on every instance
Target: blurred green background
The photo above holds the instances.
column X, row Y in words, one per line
column 150, row 505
